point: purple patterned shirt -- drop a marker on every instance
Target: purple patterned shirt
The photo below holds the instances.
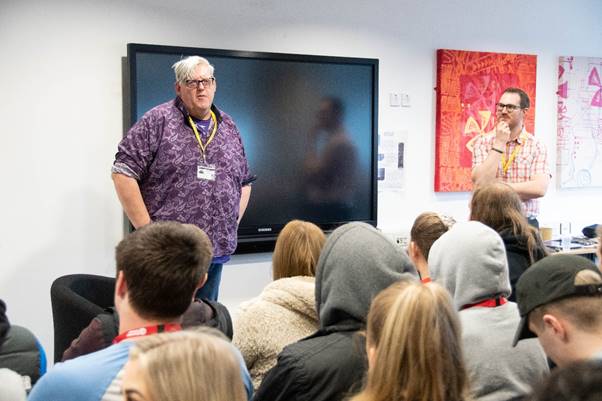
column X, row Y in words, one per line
column 162, row 153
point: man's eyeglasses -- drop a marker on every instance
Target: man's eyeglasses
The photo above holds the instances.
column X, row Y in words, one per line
column 195, row 83
column 510, row 107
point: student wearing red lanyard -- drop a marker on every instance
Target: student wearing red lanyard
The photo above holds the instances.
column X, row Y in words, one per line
column 159, row 268
column 470, row 261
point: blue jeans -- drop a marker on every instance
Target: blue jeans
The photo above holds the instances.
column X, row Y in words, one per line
column 210, row 290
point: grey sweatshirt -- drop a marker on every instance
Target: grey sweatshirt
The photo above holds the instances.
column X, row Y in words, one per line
column 470, row 261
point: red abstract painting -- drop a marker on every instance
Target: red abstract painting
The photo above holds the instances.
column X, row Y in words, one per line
column 468, row 86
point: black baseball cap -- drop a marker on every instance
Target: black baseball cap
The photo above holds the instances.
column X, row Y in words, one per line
column 550, row 279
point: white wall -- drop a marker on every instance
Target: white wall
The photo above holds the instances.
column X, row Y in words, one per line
column 61, row 110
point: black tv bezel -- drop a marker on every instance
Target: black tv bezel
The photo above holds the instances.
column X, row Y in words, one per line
column 262, row 238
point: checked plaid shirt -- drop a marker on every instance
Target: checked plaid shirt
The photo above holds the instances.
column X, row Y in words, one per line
column 531, row 160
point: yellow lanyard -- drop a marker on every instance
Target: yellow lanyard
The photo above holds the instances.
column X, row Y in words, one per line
column 506, row 163
column 198, row 137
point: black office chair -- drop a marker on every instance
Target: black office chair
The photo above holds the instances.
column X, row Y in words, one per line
column 76, row 299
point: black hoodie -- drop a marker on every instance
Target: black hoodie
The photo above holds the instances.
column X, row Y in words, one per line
column 517, row 254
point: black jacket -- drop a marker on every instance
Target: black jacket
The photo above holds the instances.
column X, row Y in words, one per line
column 104, row 328
column 518, row 257
column 306, row 370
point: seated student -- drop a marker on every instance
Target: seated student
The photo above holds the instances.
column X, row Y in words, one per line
column 560, row 300
column 470, row 261
column 414, row 346
column 188, row 365
column 427, row 228
column 285, row 311
column 159, row 268
column 104, row 328
column 577, row 381
column 357, row 262
column 20, row 350
column 498, row 206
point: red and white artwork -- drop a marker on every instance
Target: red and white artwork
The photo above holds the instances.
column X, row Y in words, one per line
column 469, row 84
column 579, row 137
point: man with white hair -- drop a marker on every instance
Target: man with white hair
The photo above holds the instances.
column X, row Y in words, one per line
column 184, row 161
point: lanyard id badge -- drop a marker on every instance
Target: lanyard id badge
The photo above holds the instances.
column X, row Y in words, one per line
column 205, row 171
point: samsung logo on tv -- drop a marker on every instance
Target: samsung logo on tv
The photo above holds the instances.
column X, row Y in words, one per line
column 264, row 230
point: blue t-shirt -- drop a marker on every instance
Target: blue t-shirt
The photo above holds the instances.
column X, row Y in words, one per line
column 97, row 377
column 87, row 378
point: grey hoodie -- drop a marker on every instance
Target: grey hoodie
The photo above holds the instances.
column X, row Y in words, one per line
column 470, row 261
column 357, row 262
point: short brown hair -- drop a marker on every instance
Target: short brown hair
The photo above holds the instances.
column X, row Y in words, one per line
column 297, row 250
column 162, row 264
column 578, row 381
column 525, row 102
column 427, row 229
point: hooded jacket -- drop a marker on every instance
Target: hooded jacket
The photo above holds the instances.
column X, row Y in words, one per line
column 470, row 261
column 518, row 257
column 20, row 350
column 284, row 313
column 357, row 262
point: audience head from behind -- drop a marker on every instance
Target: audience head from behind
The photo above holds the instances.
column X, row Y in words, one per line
column 285, row 310
column 427, row 228
column 470, row 262
column 356, row 263
column 560, row 299
column 297, row 250
column 195, row 365
column 159, row 267
column 414, row 346
column 578, row 381
column 498, row 206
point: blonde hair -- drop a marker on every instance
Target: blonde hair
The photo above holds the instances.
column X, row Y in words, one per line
column 297, row 250
column 195, row 365
column 499, row 206
column 427, row 228
column 416, row 333
column 582, row 311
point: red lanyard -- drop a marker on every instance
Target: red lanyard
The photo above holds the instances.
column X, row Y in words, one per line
column 147, row 331
column 426, row 280
column 488, row 303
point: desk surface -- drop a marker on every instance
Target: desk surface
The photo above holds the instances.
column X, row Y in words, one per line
column 579, row 246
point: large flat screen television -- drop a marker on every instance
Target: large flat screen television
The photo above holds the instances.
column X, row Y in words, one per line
column 308, row 124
